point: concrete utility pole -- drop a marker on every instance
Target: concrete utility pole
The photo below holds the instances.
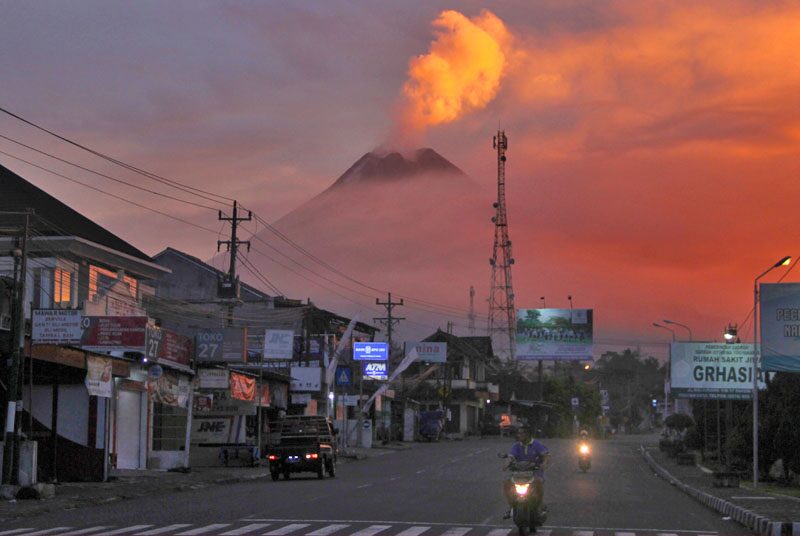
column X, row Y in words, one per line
column 471, row 316
column 389, row 321
column 11, row 448
column 233, row 247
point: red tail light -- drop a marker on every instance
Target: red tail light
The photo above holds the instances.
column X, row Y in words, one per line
column 312, row 456
column 272, row 457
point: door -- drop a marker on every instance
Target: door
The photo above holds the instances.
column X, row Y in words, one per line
column 129, row 429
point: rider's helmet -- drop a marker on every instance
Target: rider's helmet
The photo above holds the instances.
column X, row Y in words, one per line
column 584, row 434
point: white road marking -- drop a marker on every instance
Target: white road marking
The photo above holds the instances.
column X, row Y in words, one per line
column 624, row 534
column 583, row 533
column 244, row 530
column 371, row 530
column 203, row 530
column 363, row 486
column 414, row 531
column 47, row 531
column 456, row 531
column 162, row 530
column 501, row 532
column 330, row 529
column 14, row 531
column 85, row 531
column 420, row 471
column 126, row 529
column 288, row 529
column 667, row 534
column 759, row 498
column 395, row 478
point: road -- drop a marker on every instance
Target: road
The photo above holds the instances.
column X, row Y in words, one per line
column 449, row 488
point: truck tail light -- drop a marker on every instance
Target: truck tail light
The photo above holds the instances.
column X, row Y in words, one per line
column 272, row 457
column 312, row 456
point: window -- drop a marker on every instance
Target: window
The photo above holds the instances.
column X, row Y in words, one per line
column 169, row 427
column 62, row 288
column 100, row 279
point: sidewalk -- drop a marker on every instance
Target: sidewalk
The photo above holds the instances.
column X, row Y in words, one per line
column 766, row 513
column 132, row 484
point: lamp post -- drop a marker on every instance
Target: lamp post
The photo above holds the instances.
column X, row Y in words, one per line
column 687, row 328
column 783, row 262
column 669, row 369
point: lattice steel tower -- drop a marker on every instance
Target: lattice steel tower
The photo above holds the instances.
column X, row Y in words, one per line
column 502, row 315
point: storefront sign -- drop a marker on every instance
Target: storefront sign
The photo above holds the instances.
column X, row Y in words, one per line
column 171, row 389
column 370, row 351
column 168, row 345
column 227, row 345
column 224, row 404
column 242, row 387
column 306, row 378
column 431, row 352
column 98, row 376
column 218, row 430
column 780, row 327
column 203, row 402
column 114, row 333
column 213, row 378
column 278, row 344
column 56, row 326
column 712, row 371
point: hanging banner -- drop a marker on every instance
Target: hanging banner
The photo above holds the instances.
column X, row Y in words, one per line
column 264, row 398
column 554, row 334
column 278, row 344
column 171, row 389
column 98, row 376
column 279, row 395
column 242, row 387
column 56, row 326
column 780, row 327
column 715, row 371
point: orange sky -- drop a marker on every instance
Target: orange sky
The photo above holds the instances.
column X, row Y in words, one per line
column 653, row 157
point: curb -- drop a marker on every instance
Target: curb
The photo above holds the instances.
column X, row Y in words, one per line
column 760, row 524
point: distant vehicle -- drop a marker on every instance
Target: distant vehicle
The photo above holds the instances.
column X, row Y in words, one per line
column 584, row 456
column 431, row 424
column 303, row 444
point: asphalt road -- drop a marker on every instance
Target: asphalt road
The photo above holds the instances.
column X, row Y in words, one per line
column 449, row 488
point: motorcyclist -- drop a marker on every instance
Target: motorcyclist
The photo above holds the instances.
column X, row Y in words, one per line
column 526, row 449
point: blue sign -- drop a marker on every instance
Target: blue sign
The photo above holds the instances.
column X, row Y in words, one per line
column 344, row 376
column 378, row 370
column 370, row 351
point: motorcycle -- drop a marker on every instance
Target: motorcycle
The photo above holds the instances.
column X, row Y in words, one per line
column 527, row 510
column 584, row 456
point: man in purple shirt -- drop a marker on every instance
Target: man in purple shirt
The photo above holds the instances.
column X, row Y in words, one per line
column 529, row 450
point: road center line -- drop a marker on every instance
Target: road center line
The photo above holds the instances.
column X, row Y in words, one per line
column 363, row 486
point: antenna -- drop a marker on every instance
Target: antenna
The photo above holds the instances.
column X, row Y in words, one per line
column 502, row 315
column 471, row 316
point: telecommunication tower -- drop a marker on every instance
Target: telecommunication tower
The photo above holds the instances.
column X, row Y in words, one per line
column 471, row 316
column 502, row 315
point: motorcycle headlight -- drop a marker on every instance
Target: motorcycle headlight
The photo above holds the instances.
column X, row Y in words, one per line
column 584, row 449
column 521, row 489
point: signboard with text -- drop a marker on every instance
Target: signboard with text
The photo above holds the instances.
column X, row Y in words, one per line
column 370, row 351
column 306, row 379
column 168, row 345
column 431, row 352
column 227, row 345
column 554, row 334
column 56, row 326
column 716, row 371
column 278, row 344
column 114, row 333
column 376, row 370
column 780, row 327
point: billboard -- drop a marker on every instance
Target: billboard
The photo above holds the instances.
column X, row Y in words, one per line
column 370, row 351
column 221, row 345
column 278, row 344
column 431, row 352
column 378, row 370
column 56, row 326
column 780, row 327
column 306, row 379
column 712, row 370
column 114, row 333
column 554, row 334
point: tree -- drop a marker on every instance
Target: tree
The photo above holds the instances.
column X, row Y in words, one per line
column 632, row 382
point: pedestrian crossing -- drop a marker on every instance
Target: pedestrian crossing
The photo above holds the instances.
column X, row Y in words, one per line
column 254, row 527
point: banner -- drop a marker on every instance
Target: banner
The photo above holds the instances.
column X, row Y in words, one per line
column 213, row 378
column 554, row 334
column 56, row 326
column 780, row 327
column 715, row 371
column 170, row 388
column 278, row 344
column 98, row 376
column 264, row 398
column 404, row 364
column 114, row 333
column 306, row 379
column 242, row 387
column 431, row 352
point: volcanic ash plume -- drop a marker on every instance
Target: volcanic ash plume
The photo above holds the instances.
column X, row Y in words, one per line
column 460, row 73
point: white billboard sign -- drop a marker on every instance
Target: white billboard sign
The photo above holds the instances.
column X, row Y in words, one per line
column 780, row 327
column 431, row 352
column 306, row 379
column 278, row 344
column 712, row 370
column 213, row 378
column 56, row 326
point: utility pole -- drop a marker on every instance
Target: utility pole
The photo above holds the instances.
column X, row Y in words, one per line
column 12, row 446
column 502, row 315
column 389, row 321
column 232, row 282
column 471, row 316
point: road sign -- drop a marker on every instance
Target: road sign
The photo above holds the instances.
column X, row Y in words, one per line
column 366, row 425
column 344, row 376
column 370, row 351
column 575, row 402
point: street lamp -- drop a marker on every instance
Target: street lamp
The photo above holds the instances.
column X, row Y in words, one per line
column 783, row 262
column 731, row 334
column 657, row 325
column 669, row 369
column 687, row 328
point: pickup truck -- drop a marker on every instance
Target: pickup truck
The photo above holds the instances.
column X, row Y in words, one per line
column 302, row 444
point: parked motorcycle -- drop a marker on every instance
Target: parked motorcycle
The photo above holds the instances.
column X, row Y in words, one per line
column 527, row 510
column 584, row 456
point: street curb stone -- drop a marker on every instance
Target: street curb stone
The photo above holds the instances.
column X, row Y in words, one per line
column 760, row 524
